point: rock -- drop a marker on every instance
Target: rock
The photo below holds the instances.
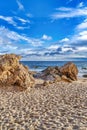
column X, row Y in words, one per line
column 84, row 68
column 83, row 128
column 52, row 70
column 14, row 73
column 51, row 73
column 46, row 83
column 76, row 127
column 64, row 78
column 57, row 78
column 67, row 73
column 31, row 127
column 68, row 128
column 85, row 75
column 69, row 70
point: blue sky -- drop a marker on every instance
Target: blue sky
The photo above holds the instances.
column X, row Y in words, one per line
column 44, row 29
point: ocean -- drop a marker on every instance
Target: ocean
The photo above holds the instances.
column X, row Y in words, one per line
column 41, row 65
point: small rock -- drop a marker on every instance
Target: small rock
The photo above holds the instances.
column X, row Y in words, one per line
column 67, row 128
column 76, row 127
column 46, row 83
column 31, row 127
column 82, row 128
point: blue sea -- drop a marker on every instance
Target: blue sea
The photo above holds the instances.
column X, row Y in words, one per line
column 41, row 65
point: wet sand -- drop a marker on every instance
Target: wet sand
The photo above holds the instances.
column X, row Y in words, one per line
column 58, row 106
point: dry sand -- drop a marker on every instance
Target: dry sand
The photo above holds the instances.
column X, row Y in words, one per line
column 60, row 106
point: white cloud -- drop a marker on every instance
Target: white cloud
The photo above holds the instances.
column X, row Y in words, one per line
column 8, row 19
column 75, row 46
column 22, row 28
column 7, row 36
column 82, row 36
column 35, row 42
column 71, row 50
column 72, row 47
column 23, row 21
column 20, row 6
column 65, row 49
column 78, row 39
column 64, row 9
column 11, row 20
column 10, row 47
column 56, row 57
column 82, row 25
column 53, row 47
column 45, row 37
column 81, row 4
column 64, row 12
column 26, row 50
column 83, row 33
column 82, row 49
column 64, row 40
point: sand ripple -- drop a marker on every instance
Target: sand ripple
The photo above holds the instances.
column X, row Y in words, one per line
column 61, row 106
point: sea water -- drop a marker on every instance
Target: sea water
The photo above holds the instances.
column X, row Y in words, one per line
column 41, row 65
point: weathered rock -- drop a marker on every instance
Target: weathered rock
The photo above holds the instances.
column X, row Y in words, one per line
column 14, row 73
column 67, row 73
column 51, row 73
column 64, row 78
column 57, row 78
column 69, row 70
column 52, row 70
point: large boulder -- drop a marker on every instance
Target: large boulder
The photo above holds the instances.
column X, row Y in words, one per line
column 12, row 72
column 67, row 73
column 51, row 73
column 70, row 70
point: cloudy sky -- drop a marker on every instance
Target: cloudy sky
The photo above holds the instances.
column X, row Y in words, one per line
column 44, row 29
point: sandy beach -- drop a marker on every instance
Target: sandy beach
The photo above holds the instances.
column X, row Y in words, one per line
column 58, row 106
column 43, row 64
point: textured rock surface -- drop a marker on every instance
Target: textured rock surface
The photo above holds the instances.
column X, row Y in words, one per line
column 67, row 73
column 14, row 73
column 69, row 70
column 64, row 78
column 51, row 74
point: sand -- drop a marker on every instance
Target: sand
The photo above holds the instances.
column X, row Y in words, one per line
column 59, row 106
